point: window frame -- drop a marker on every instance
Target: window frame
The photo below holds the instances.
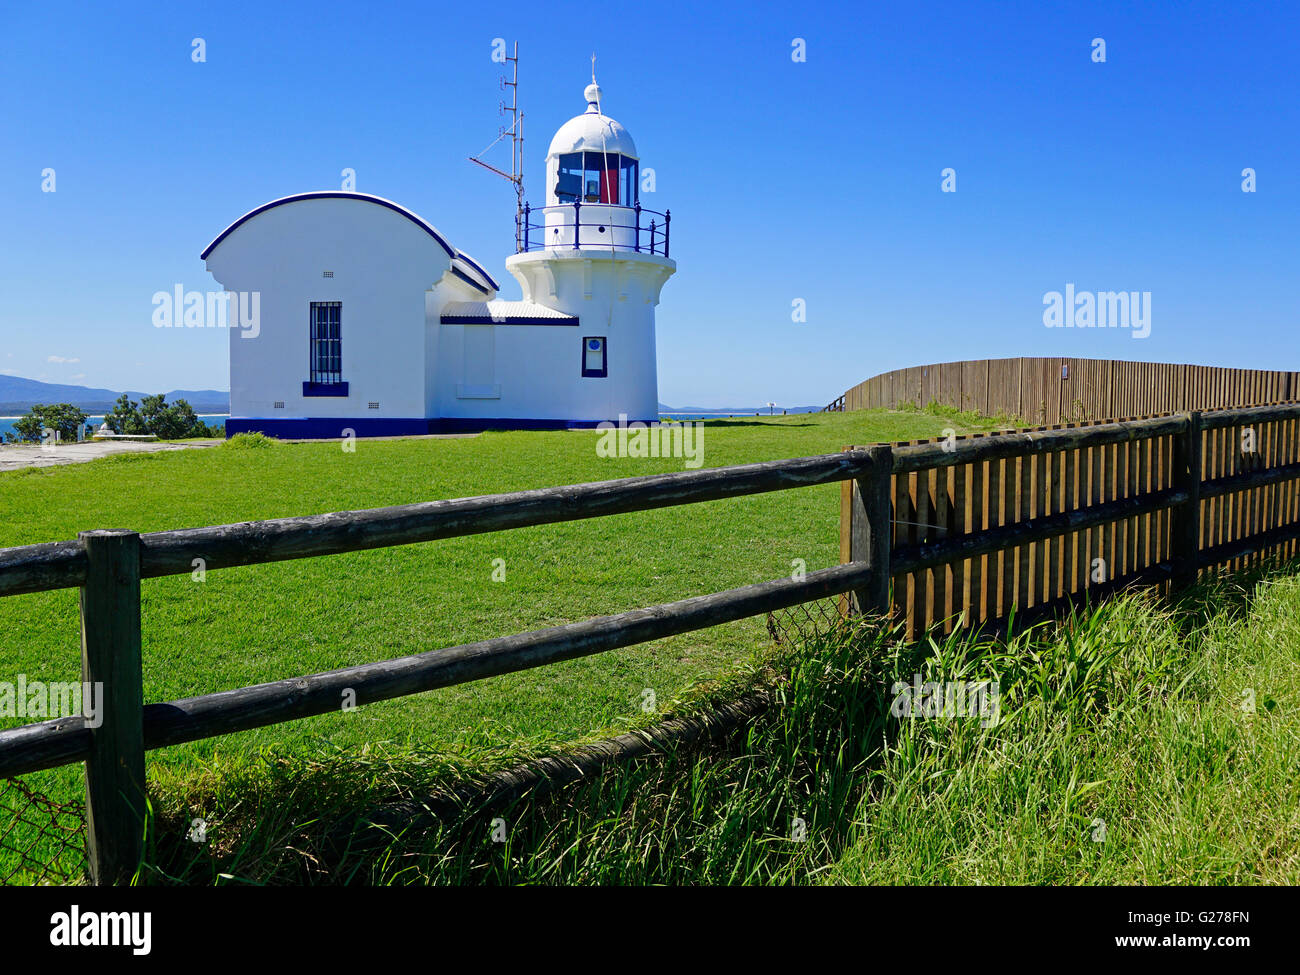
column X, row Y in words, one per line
column 603, row 371
column 325, row 346
column 585, row 164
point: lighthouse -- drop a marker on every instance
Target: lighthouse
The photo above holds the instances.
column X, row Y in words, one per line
column 594, row 253
column 372, row 323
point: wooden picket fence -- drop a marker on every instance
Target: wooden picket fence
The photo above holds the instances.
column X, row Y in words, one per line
column 1020, row 520
column 1065, row 389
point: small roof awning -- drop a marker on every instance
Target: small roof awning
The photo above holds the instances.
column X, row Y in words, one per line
column 468, row 271
column 497, row 312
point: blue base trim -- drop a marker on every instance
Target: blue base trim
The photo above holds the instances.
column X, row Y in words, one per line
column 326, row 428
column 330, row 428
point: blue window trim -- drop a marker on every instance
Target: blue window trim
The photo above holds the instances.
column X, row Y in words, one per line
column 603, row 371
column 319, row 344
column 324, row 389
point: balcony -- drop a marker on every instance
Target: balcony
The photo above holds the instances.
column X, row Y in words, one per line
column 592, row 226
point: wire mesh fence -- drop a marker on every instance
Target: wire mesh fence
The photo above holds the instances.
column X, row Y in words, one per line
column 802, row 623
column 42, row 840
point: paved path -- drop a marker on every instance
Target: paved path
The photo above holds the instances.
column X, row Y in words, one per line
column 15, row 456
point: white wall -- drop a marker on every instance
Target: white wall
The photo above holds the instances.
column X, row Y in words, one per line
column 538, row 368
column 383, row 264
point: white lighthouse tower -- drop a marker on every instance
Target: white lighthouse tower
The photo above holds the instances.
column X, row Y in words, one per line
column 595, row 254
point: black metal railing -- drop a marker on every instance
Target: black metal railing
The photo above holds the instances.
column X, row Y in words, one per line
column 635, row 228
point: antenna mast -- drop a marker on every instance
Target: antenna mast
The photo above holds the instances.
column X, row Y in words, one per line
column 516, row 133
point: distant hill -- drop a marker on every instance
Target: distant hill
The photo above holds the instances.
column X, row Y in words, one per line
column 18, row 395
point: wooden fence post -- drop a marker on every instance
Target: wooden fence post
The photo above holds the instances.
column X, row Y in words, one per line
column 845, row 600
column 870, row 531
column 110, row 657
column 1185, row 536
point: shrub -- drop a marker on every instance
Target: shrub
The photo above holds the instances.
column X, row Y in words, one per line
column 245, row 441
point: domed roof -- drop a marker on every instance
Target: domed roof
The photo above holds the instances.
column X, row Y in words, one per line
column 592, row 131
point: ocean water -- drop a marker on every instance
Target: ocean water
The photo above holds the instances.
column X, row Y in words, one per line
column 7, row 422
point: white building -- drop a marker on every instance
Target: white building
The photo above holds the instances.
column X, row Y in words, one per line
column 371, row 320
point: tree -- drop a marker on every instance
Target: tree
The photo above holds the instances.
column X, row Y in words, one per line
column 152, row 414
column 168, row 422
column 187, row 421
column 125, row 417
column 63, row 417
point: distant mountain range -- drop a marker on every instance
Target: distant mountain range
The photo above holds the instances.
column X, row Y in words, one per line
column 18, row 395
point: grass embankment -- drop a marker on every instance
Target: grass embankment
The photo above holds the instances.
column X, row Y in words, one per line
column 1138, row 743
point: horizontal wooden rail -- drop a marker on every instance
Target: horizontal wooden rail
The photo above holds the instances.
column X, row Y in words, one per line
column 1254, row 544
column 1246, row 415
column 914, row 557
column 53, row 743
column 34, row 568
column 919, row 457
column 1253, row 479
column 38, row 568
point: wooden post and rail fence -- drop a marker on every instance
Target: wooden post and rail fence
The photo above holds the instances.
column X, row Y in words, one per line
column 933, row 534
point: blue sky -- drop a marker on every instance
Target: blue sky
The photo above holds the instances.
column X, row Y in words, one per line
column 818, row 180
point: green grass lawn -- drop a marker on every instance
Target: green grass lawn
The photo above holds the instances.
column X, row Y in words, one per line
column 261, row 623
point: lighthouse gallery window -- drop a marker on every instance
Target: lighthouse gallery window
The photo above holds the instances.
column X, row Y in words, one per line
column 597, row 177
column 326, row 342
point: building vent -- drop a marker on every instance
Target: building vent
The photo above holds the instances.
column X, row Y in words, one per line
column 374, row 405
column 279, row 404
column 327, row 274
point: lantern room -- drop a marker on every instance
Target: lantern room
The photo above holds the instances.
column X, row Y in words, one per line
column 593, row 176
column 592, row 159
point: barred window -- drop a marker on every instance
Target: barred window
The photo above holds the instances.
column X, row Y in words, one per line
column 326, row 342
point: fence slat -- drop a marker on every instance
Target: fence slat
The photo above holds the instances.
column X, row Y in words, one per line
column 978, row 523
column 918, row 485
column 1188, row 468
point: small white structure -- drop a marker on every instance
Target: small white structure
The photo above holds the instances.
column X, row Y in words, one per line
column 370, row 320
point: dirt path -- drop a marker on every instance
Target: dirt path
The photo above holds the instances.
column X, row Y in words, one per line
column 15, row 456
